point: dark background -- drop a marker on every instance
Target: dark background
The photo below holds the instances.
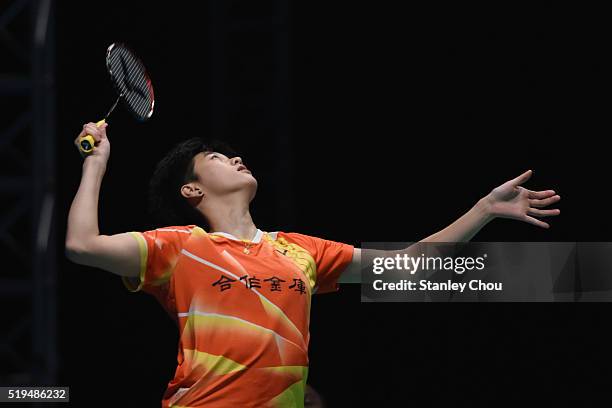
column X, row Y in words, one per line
column 400, row 119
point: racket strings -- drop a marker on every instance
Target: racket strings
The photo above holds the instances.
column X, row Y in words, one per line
column 131, row 79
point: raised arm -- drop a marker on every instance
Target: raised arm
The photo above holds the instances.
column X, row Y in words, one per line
column 118, row 253
column 510, row 200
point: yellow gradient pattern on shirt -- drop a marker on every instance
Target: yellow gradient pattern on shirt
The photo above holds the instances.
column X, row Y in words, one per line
column 299, row 256
column 269, row 307
column 213, row 364
column 292, row 397
column 235, row 328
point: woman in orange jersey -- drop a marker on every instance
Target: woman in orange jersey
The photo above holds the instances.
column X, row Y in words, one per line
column 240, row 295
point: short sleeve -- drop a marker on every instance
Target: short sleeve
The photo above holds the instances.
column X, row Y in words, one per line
column 159, row 251
column 331, row 259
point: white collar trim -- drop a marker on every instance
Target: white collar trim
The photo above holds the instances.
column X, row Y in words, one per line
column 256, row 239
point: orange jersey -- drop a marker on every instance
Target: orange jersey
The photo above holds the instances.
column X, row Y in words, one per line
column 242, row 308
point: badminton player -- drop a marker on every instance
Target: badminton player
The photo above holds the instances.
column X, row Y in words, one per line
column 239, row 295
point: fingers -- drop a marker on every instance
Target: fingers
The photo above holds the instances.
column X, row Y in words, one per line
column 522, row 178
column 93, row 131
column 536, row 222
column 98, row 133
column 543, row 213
column 540, row 213
column 545, row 202
column 541, row 194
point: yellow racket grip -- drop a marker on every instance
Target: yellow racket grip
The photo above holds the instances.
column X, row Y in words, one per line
column 87, row 142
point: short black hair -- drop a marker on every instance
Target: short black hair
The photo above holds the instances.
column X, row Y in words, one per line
column 166, row 204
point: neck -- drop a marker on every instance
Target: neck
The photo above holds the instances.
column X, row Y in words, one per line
column 230, row 216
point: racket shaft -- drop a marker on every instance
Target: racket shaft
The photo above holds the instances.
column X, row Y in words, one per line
column 111, row 109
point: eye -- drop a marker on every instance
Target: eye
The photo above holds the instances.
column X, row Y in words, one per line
column 214, row 156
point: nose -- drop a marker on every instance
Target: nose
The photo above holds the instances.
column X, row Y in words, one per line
column 236, row 160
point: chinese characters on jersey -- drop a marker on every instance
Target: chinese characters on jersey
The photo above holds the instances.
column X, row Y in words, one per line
column 273, row 284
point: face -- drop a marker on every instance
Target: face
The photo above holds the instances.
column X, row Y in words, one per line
column 219, row 175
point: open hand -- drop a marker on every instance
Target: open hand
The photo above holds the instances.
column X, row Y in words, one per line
column 510, row 200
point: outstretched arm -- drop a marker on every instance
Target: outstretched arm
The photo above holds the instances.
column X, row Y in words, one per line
column 510, row 200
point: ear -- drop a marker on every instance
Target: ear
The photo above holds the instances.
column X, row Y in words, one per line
column 192, row 190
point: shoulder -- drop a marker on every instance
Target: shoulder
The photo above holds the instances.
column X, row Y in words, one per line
column 182, row 229
column 179, row 231
column 178, row 234
column 282, row 235
column 287, row 238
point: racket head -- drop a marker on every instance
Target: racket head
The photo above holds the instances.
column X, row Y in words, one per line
column 131, row 80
